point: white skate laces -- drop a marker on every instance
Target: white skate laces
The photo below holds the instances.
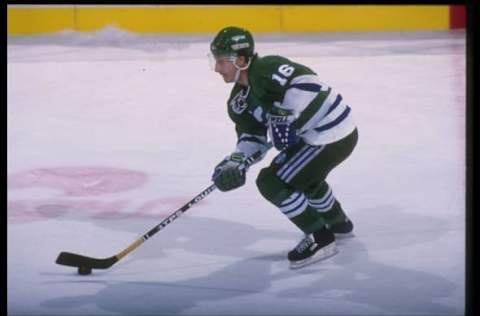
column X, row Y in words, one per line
column 306, row 242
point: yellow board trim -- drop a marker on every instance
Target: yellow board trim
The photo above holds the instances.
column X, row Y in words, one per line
column 334, row 18
column 31, row 20
column 35, row 19
column 180, row 19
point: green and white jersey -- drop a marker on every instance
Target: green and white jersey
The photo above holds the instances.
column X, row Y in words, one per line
column 278, row 85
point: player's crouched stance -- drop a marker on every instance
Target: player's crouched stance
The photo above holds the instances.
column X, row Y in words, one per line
column 307, row 121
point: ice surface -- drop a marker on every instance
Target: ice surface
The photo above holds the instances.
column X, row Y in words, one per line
column 110, row 132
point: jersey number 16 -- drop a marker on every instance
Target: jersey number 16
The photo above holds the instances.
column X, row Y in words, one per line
column 285, row 71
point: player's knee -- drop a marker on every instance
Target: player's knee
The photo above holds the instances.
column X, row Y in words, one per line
column 272, row 187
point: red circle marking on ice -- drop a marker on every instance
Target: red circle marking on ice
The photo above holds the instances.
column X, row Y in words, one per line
column 22, row 211
column 70, row 182
column 79, row 181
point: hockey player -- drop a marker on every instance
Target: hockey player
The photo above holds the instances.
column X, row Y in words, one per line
column 307, row 121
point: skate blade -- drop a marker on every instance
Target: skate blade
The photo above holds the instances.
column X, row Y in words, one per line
column 344, row 235
column 324, row 253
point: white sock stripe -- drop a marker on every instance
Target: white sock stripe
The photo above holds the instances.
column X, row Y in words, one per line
column 325, row 206
column 293, row 207
column 292, row 197
column 303, row 163
column 299, row 210
column 292, row 204
column 324, row 198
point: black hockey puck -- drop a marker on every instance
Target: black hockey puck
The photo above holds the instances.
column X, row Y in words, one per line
column 84, row 270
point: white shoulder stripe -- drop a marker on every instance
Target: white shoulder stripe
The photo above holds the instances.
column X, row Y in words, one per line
column 297, row 100
column 305, row 79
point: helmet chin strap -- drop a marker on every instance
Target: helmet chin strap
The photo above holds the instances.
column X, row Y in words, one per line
column 239, row 69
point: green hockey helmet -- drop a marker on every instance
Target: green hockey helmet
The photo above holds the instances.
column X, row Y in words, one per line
column 233, row 41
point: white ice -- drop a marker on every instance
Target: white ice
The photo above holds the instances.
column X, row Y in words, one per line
column 110, row 132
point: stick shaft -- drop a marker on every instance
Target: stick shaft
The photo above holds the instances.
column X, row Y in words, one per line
column 76, row 260
column 165, row 222
column 130, row 248
column 180, row 211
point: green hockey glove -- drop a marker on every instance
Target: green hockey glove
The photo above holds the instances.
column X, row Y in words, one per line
column 228, row 175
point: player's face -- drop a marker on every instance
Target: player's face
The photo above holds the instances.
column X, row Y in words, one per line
column 225, row 67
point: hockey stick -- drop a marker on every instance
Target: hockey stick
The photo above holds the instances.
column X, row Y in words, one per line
column 86, row 264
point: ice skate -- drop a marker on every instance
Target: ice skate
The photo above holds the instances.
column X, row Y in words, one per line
column 342, row 229
column 318, row 246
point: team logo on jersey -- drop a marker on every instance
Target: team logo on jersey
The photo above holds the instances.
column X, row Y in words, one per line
column 239, row 102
